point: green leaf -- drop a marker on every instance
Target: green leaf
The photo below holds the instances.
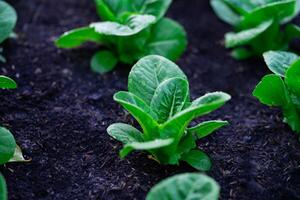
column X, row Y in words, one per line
column 246, row 36
column 206, row 128
column 197, row 159
column 124, row 133
column 292, row 31
column 278, row 11
column 77, row 37
column 265, row 41
column 169, row 98
column 279, row 61
column 168, row 39
column 210, row 101
column 271, row 91
column 292, row 117
column 3, row 190
column 189, row 186
column 107, row 9
column 8, row 19
column 131, row 48
column 242, row 53
column 246, row 7
column 7, row 83
column 292, row 15
column 7, row 145
column 176, row 126
column 103, row 62
column 140, row 111
column 293, row 78
column 156, row 8
column 186, row 144
column 148, row 73
column 149, row 145
column 111, row 10
column 134, row 25
column 224, row 12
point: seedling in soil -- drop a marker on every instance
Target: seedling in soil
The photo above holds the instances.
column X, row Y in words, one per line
column 282, row 89
column 159, row 99
column 130, row 30
column 260, row 26
column 185, row 186
column 8, row 19
column 9, row 150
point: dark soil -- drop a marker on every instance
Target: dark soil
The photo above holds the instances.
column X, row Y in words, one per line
column 61, row 109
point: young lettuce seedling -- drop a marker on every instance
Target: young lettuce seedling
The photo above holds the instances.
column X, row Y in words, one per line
column 185, row 186
column 258, row 25
column 130, row 30
column 9, row 150
column 282, row 89
column 158, row 98
column 8, row 19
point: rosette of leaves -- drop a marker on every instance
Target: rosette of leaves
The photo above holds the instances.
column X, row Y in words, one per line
column 8, row 19
column 9, row 150
column 185, row 186
column 158, row 98
column 260, row 25
column 129, row 31
column 282, row 89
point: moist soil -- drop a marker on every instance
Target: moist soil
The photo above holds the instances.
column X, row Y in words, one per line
column 60, row 112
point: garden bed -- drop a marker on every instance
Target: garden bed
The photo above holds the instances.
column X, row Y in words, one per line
column 60, row 112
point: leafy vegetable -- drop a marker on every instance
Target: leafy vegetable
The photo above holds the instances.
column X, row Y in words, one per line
column 9, row 150
column 257, row 25
column 158, row 98
column 130, row 31
column 185, row 186
column 282, row 89
column 8, row 19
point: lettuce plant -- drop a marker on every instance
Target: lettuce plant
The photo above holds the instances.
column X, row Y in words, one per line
column 258, row 24
column 185, row 186
column 8, row 19
column 282, row 89
column 158, row 98
column 129, row 31
column 9, row 150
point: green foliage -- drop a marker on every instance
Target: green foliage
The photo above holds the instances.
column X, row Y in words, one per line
column 185, row 186
column 3, row 190
column 159, row 99
column 258, row 24
column 7, row 145
column 8, row 19
column 282, row 89
column 7, row 83
column 129, row 31
column 9, row 150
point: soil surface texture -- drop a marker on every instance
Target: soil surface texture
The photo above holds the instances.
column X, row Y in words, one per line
column 61, row 109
